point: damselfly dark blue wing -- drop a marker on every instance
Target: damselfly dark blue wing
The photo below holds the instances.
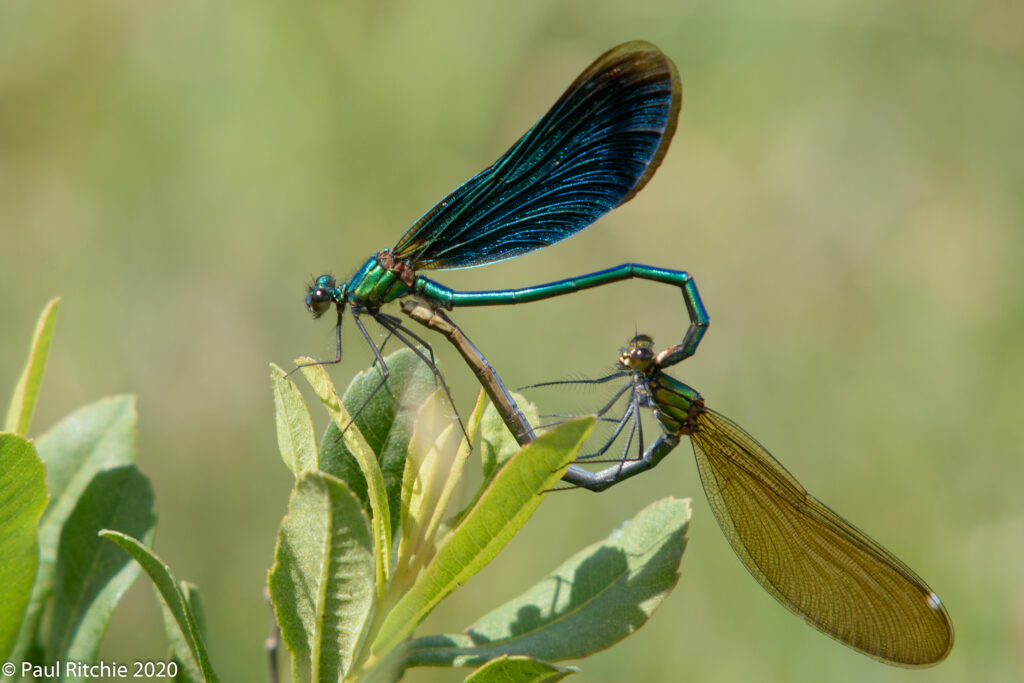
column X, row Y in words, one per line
column 595, row 149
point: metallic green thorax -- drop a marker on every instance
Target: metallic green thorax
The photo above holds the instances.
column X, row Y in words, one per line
column 677, row 404
column 375, row 285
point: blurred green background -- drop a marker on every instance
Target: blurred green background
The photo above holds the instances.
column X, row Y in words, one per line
column 845, row 184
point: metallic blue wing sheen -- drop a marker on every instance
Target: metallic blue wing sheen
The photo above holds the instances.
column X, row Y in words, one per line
column 597, row 147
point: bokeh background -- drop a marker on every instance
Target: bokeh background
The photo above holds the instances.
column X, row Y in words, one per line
column 845, row 184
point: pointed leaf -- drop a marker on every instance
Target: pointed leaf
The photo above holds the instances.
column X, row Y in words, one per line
column 188, row 669
column 22, row 499
column 167, row 588
column 97, row 437
column 26, row 391
column 509, row 500
column 92, row 574
column 386, row 421
column 432, row 452
column 322, row 582
column 507, row 669
column 496, row 442
column 430, row 535
column 295, row 437
column 596, row 598
column 497, row 445
column 380, row 517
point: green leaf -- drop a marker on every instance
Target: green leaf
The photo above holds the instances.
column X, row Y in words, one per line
column 508, row 501
column 91, row 574
column 322, row 582
column 171, row 596
column 387, row 423
column 188, row 668
column 596, row 598
column 496, row 442
column 507, row 669
column 497, row 445
column 22, row 499
column 26, row 391
column 93, row 438
column 433, row 452
column 295, row 437
column 422, row 515
column 380, row 517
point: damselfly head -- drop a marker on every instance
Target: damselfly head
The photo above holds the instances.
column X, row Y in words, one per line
column 321, row 293
column 639, row 354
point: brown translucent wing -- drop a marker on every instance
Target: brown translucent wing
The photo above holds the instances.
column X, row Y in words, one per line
column 812, row 560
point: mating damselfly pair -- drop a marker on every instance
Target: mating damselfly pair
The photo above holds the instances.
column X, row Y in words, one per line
column 595, row 149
